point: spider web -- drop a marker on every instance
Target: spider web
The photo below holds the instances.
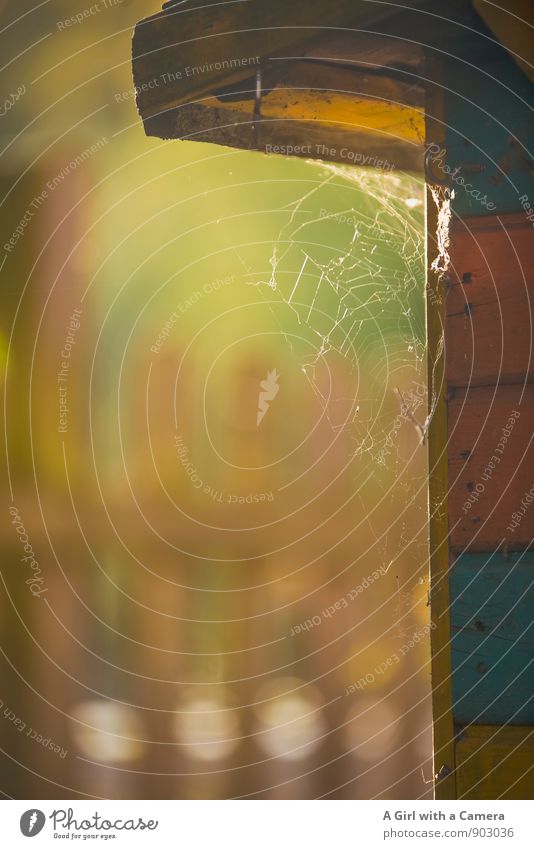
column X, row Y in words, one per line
column 346, row 283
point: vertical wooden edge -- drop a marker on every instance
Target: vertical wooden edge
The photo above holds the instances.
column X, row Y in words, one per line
column 441, row 665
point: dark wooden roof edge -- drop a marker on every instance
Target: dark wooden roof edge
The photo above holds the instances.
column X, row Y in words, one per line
column 216, row 38
column 301, row 139
column 193, row 58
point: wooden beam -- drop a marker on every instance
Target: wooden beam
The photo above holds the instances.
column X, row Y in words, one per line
column 444, row 750
column 180, row 55
column 384, row 51
column 319, row 111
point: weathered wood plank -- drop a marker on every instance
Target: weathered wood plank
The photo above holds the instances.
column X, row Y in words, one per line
column 494, row 762
column 319, row 111
column 309, row 140
column 443, row 736
column 492, row 639
column 489, row 322
column 490, row 135
column 312, row 109
column 384, row 51
column 491, row 468
column 215, row 39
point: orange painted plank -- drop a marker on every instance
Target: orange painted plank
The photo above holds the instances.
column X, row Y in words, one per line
column 491, row 468
column 489, row 326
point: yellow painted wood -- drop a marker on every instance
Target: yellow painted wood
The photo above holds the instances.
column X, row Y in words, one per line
column 310, row 109
column 347, row 143
column 495, row 762
column 444, row 752
column 394, row 119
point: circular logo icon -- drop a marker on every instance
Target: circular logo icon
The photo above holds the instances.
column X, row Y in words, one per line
column 32, row 822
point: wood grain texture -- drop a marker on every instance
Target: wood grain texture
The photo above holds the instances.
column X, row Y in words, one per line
column 321, row 141
column 491, row 468
column 494, row 762
column 490, row 134
column 489, row 303
column 443, row 727
column 306, row 122
column 307, row 106
column 492, row 639
column 173, row 40
column 386, row 50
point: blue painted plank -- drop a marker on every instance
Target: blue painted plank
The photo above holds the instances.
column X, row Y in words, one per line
column 490, row 136
column 492, row 639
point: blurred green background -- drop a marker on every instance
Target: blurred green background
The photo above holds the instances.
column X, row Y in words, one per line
column 181, row 543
